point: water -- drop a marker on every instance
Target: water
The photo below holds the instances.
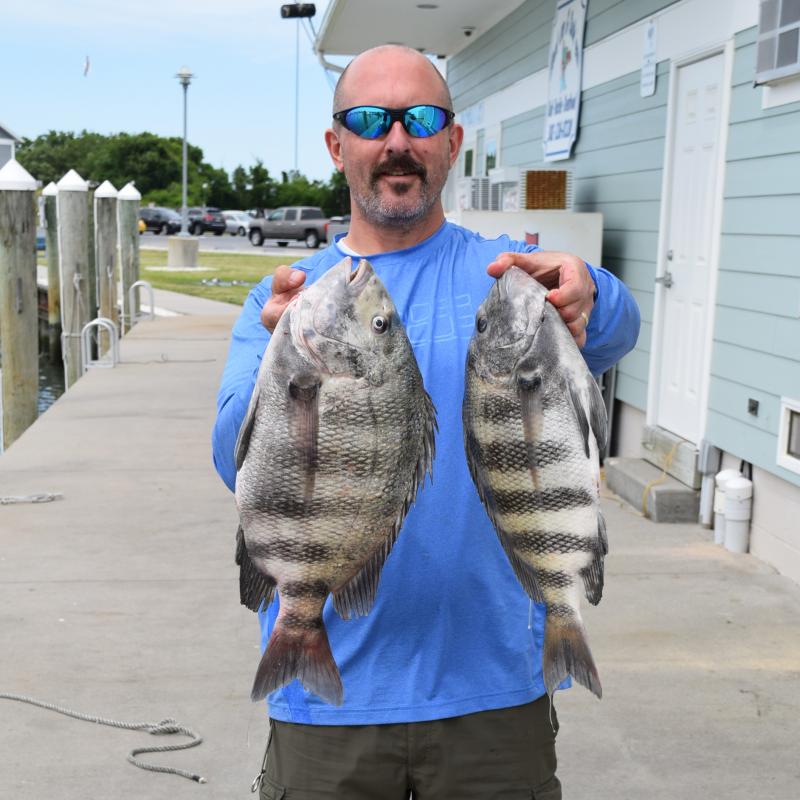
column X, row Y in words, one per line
column 51, row 378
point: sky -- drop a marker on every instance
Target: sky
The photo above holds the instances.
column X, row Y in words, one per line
column 241, row 104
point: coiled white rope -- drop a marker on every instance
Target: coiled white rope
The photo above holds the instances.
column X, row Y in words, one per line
column 165, row 727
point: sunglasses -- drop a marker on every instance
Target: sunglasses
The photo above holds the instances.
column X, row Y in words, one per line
column 372, row 122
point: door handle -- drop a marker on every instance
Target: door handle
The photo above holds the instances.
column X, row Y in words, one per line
column 666, row 279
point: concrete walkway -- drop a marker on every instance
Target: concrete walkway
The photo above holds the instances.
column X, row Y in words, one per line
column 121, row 600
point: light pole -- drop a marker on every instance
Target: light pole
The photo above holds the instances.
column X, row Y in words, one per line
column 185, row 77
column 297, row 11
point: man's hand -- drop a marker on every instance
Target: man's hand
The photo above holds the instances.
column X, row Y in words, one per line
column 286, row 283
column 571, row 286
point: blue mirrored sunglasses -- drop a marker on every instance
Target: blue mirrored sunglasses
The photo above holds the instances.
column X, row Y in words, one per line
column 372, row 122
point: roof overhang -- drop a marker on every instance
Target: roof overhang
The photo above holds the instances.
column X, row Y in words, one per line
column 5, row 133
column 351, row 26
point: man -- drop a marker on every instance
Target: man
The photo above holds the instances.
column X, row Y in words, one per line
column 443, row 682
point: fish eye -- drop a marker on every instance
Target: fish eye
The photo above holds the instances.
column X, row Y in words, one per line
column 380, row 324
column 481, row 324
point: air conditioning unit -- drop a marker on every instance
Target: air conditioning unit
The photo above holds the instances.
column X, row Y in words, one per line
column 480, row 194
column 505, row 193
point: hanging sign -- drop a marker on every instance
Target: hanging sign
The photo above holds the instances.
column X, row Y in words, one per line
column 565, row 70
column 648, row 82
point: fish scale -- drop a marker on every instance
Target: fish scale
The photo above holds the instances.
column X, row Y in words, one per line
column 338, row 437
column 534, row 424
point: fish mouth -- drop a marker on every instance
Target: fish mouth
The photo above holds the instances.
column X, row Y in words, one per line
column 357, row 279
column 313, row 318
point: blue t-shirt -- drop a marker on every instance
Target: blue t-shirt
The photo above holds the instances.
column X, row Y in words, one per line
column 451, row 631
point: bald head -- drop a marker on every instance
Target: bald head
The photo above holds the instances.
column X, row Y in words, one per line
column 397, row 63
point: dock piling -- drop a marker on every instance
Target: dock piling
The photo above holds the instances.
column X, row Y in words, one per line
column 105, row 238
column 74, row 264
column 19, row 319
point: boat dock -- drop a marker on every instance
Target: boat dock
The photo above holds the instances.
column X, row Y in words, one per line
column 120, row 599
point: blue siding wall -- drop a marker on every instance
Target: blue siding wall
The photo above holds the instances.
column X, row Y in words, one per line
column 617, row 167
column 517, row 46
column 757, row 326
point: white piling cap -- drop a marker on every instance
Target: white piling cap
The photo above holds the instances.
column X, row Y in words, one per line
column 129, row 192
column 72, row 182
column 14, row 177
column 106, row 189
column 51, row 190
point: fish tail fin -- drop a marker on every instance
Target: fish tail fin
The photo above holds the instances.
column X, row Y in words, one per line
column 305, row 655
column 566, row 652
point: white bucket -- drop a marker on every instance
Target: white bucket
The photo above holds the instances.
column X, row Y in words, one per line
column 720, row 480
column 738, row 506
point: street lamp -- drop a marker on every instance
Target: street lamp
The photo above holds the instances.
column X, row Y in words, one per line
column 185, row 77
column 297, row 11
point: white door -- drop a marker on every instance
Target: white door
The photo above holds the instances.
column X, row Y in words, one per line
column 694, row 194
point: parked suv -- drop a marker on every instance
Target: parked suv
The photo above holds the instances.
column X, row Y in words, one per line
column 206, row 219
column 290, row 224
column 160, row 220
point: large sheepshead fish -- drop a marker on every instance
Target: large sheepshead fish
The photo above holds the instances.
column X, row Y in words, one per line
column 534, row 424
column 336, row 442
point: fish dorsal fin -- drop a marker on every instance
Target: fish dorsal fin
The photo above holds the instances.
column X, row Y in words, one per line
column 246, row 429
column 356, row 597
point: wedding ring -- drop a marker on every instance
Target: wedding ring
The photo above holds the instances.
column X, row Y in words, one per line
column 585, row 318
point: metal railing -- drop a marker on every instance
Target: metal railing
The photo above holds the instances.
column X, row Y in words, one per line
column 111, row 357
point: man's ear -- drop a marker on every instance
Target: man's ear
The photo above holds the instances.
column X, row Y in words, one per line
column 334, row 146
column 456, row 138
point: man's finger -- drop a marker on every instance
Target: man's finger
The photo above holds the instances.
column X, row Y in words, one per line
column 285, row 279
column 544, row 265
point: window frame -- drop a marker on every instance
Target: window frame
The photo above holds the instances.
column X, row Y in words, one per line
column 775, row 73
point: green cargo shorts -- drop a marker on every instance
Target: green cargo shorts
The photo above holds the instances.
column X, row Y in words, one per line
column 507, row 754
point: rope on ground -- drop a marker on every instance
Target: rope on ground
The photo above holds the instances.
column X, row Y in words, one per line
column 39, row 497
column 165, row 727
column 661, row 478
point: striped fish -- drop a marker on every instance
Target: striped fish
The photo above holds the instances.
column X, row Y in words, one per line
column 534, row 423
column 336, row 442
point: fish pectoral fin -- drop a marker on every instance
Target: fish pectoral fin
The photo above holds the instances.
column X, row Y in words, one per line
column 246, row 429
column 573, row 395
column 529, row 389
column 255, row 588
column 598, row 415
column 356, row 597
column 304, row 424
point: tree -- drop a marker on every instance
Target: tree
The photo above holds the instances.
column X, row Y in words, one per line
column 153, row 163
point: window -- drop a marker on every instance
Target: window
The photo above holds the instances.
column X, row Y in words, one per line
column 469, row 156
column 276, row 216
column 491, row 155
column 291, row 214
column 789, row 435
column 778, row 54
column 311, row 213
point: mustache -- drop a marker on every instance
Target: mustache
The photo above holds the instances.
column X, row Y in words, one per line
column 400, row 163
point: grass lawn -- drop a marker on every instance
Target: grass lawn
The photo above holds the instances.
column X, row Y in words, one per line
column 225, row 267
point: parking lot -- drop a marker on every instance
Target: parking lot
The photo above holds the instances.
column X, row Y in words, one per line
column 230, row 244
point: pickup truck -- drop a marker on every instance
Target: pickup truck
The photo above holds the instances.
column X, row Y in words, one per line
column 290, row 224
